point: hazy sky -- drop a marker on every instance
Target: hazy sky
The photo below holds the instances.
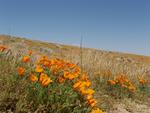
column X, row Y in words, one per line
column 117, row 25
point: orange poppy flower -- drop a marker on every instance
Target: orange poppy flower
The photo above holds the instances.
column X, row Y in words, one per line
column 84, row 77
column 67, row 75
column 46, row 81
column 2, row 48
column 38, row 69
column 132, row 88
column 70, row 65
column 142, row 81
column 76, row 85
column 43, row 76
column 111, row 82
column 77, row 70
column 89, row 97
column 26, row 59
column 21, row 71
column 88, row 83
column 90, row 91
column 33, row 78
column 83, row 84
column 83, row 91
column 92, row 102
column 75, row 75
column 30, row 52
column 46, row 63
column 61, row 80
column 70, row 76
column 97, row 110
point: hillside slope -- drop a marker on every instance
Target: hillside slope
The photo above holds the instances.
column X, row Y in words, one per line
column 102, row 60
column 101, row 67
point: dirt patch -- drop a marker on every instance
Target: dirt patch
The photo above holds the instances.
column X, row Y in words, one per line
column 129, row 106
column 8, row 105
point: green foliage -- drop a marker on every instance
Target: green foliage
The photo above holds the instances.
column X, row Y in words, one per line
column 119, row 92
column 59, row 97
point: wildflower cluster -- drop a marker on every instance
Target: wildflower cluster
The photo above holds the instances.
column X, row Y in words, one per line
column 3, row 48
column 141, row 81
column 122, row 83
column 82, row 86
column 55, row 79
column 144, row 86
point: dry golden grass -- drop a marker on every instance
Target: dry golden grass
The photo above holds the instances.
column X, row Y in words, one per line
column 97, row 63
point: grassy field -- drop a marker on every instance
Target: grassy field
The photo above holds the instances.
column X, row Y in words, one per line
column 117, row 82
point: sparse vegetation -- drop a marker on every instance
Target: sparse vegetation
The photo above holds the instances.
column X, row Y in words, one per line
column 52, row 84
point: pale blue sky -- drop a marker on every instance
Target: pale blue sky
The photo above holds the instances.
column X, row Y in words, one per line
column 117, row 25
